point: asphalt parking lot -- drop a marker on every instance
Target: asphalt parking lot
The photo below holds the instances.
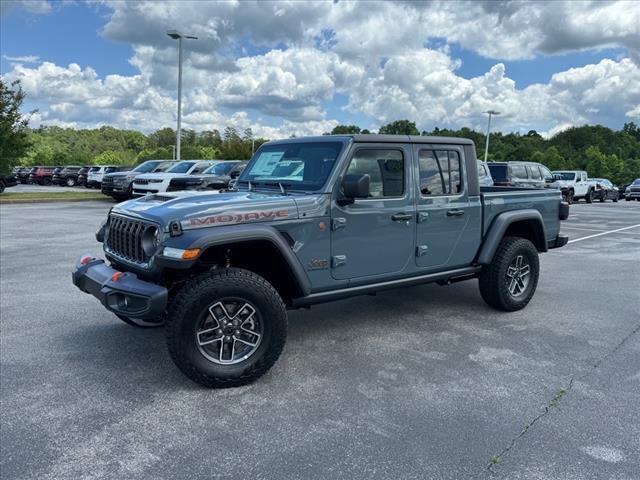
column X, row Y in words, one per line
column 424, row 382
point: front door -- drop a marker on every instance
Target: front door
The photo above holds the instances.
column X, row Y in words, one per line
column 375, row 235
column 446, row 233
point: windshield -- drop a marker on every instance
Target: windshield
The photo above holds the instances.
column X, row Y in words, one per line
column 568, row 176
column 221, row 168
column 636, row 181
column 94, row 169
column 304, row 166
column 182, row 167
column 146, row 167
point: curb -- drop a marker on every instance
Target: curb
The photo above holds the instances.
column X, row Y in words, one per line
column 10, row 201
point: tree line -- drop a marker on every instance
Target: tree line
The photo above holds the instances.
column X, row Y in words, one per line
column 599, row 150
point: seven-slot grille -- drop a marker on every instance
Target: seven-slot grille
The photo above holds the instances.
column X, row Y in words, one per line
column 126, row 236
column 107, row 180
column 141, row 181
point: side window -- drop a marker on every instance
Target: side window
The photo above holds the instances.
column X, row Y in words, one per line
column 439, row 172
column 200, row 168
column 518, row 171
column 534, row 172
column 546, row 174
column 385, row 169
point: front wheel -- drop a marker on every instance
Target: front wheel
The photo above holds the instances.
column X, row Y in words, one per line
column 2, row 187
column 589, row 196
column 226, row 328
column 71, row 182
column 510, row 281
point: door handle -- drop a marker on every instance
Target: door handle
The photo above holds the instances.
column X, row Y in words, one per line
column 401, row 217
column 455, row 213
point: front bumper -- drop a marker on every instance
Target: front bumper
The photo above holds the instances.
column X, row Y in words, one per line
column 126, row 295
column 114, row 188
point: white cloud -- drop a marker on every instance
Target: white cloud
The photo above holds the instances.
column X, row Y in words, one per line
column 39, row 7
column 286, row 61
column 22, row 59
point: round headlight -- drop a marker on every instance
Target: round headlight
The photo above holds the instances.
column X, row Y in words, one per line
column 150, row 240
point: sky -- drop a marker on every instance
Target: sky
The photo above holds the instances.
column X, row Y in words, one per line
column 288, row 68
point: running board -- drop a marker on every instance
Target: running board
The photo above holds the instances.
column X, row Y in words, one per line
column 322, row 297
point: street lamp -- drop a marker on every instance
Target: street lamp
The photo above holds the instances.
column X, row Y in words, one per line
column 179, row 36
column 486, row 144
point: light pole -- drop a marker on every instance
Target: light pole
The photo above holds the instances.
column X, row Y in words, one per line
column 179, row 36
column 486, row 144
column 173, row 152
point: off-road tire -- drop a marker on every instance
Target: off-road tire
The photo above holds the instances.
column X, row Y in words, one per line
column 589, row 196
column 493, row 280
column 141, row 323
column 570, row 197
column 192, row 301
column 2, row 187
column 603, row 198
column 615, row 199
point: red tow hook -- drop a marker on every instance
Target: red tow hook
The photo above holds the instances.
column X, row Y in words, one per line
column 116, row 276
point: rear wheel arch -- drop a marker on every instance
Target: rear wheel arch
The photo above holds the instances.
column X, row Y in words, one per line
column 526, row 224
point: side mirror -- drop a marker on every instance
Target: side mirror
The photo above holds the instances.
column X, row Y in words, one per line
column 354, row 185
column 556, row 176
column 234, row 174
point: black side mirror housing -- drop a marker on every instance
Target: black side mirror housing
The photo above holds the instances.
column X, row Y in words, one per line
column 354, row 185
column 234, row 174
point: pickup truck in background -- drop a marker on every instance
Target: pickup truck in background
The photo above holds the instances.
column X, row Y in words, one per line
column 314, row 220
column 574, row 185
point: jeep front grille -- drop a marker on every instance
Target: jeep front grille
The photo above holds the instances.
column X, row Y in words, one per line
column 126, row 236
column 141, row 181
column 107, row 180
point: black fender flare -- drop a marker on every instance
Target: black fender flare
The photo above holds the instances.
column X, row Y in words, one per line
column 204, row 238
column 500, row 225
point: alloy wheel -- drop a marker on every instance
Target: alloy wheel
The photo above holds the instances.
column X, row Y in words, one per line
column 518, row 276
column 229, row 332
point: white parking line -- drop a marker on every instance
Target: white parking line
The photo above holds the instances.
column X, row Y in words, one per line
column 604, row 233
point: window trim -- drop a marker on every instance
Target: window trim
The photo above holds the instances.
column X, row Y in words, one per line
column 461, row 158
column 405, row 189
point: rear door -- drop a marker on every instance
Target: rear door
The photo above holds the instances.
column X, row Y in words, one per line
column 535, row 177
column 519, row 175
column 443, row 208
column 374, row 236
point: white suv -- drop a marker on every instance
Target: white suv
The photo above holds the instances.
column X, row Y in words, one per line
column 574, row 185
column 159, row 182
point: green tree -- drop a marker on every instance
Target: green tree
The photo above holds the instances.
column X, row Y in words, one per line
column 108, row 157
column 399, row 127
column 14, row 136
column 345, row 130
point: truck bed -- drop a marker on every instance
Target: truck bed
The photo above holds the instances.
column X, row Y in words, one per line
column 496, row 200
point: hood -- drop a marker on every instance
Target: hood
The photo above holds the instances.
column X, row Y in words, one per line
column 201, row 209
column 161, row 175
column 129, row 173
column 207, row 178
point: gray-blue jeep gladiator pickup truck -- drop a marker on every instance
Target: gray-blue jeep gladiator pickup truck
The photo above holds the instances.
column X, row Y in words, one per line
column 313, row 220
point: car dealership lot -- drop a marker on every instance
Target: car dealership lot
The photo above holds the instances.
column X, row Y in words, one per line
column 423, row 382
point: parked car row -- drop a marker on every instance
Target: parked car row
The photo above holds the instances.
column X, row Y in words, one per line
column 158, row 176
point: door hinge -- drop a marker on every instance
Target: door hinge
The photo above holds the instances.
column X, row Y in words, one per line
column 423, row 216
column 421, row 250
column 338, row 261
column 338, row 223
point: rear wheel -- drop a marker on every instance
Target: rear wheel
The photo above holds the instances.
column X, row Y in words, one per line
column 603, row 198
column 71, row 182
column 226, row 328
column 510, row 281
column 46, row 181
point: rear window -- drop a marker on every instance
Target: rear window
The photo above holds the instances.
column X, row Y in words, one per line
column 498, row 172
